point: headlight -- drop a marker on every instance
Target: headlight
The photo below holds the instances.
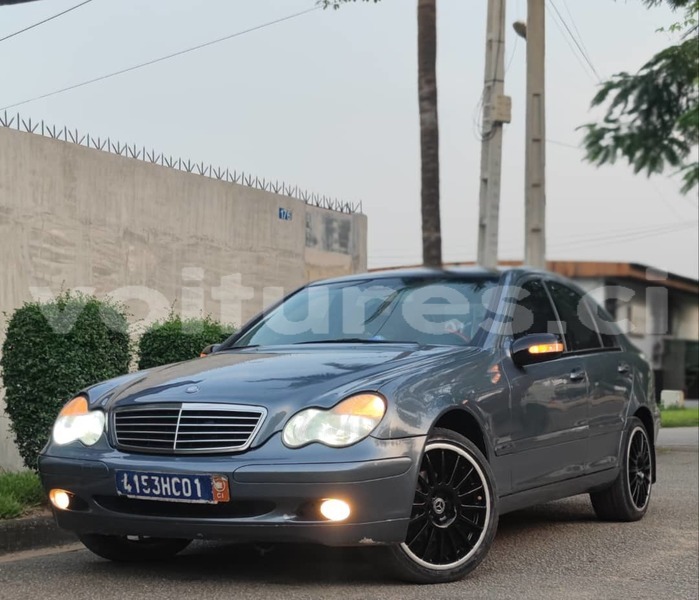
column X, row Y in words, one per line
column 77, row 422
column 346, row 423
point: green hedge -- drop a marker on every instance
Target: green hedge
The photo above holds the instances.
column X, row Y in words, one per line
column 52, row 351
column 177, row 340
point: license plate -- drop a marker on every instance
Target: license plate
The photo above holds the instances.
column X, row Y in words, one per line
column 173, row 487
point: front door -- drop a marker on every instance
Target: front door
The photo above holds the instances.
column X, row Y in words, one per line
column 548, row 404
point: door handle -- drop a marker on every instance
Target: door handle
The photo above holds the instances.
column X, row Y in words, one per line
column 577, row 375
column 623, row 368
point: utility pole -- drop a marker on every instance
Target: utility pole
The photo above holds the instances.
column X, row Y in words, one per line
column 535, row 162
column 497, row 110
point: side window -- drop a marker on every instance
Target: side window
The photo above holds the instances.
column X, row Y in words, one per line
column 534, row 312
column 608, row 330
column 580, row 328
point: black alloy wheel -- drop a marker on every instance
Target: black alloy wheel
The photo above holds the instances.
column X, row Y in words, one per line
column 454, row 514
column 628, row 497
column 639, row 471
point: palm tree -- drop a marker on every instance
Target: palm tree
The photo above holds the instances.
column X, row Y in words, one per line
column 429, row 126
column 429, row 131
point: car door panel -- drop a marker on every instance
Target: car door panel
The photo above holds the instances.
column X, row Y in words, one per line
column 548, row 422
column 547, row 430
column 611, row 388
column 610, row 392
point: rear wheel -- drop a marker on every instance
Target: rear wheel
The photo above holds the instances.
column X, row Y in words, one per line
column 132, row 548
column 454, row 516
column 628, row 497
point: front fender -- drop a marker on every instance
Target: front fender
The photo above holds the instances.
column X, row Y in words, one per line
column 419, row 399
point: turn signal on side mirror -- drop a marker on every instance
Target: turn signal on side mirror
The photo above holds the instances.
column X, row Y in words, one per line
column 546, row 348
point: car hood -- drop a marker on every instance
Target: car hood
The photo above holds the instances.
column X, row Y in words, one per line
column 280, row 379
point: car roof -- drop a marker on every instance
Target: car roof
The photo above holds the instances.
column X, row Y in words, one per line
column 434, row 273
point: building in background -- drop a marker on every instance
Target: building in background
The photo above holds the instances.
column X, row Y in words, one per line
column 156, row 233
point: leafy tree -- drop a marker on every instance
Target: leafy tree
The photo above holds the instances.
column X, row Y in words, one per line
column 652, row 117
column 429, row 126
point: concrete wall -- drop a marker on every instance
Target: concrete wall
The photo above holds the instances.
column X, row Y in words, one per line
column 73, row 217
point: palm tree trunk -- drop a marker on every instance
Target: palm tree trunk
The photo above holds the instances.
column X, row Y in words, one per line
column 429, row 131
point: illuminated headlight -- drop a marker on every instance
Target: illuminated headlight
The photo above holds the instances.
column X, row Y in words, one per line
column 76, row 422
column 345, row 424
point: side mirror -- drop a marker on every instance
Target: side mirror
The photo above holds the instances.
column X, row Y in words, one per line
column 210, row 349
column 536, row 348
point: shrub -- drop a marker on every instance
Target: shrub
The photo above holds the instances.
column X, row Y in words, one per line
column 19, row 491
column 51, row 352
column 176, row 340
column 9, row 508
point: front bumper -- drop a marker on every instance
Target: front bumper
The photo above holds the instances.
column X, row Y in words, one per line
column 273, row 492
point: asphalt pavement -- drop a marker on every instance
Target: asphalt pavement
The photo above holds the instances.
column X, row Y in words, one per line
column 557, row 550
column 679, row 437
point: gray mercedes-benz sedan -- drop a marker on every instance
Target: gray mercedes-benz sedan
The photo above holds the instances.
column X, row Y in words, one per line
column 402, row 409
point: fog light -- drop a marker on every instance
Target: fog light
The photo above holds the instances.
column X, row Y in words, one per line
column 60, row 499
column 335, row 510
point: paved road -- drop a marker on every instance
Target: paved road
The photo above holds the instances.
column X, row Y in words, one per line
column 554, row 551
column 679, row 437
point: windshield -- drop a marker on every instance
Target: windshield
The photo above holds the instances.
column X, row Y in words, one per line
column 406, row 310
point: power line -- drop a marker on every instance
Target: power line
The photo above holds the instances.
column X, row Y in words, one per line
column 576, row 246
column 665, row 200
column 163, row 58
column 584, row 239
column 628, row 237
column 564, row 144
column 512, row 55
column 662, row 196
column 575, row 40
column 572, row 48
column 578, row 42
column 577, row 31
column 7, row 37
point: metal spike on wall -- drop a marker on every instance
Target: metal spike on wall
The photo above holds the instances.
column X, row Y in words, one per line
column 131, row 151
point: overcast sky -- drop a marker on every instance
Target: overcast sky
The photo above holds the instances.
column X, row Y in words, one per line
column 329, row 101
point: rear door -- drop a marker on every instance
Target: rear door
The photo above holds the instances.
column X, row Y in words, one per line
column 611, row 378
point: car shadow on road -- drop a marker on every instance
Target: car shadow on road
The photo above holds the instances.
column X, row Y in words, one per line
column 245, row 563
column 571, row 510
column 285, row 564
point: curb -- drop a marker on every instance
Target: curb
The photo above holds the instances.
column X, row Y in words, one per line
column 30, row 533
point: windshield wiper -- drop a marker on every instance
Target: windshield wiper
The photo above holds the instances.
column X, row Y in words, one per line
column 240, row 347
column 354, row 341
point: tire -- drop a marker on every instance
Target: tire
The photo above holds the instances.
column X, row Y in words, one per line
column 132, row 549
column 454, row 516
column 627, row 499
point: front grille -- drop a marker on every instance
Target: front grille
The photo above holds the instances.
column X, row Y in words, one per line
column 189, row 428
